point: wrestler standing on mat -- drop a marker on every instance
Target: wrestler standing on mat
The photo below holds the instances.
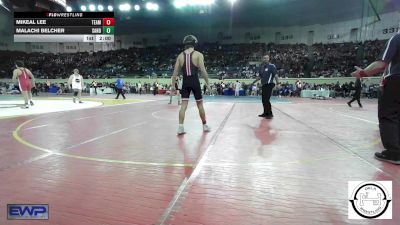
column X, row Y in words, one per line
column 190, row 62
column 26, row 80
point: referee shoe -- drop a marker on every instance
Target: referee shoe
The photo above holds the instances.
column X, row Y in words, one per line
column 387, row 157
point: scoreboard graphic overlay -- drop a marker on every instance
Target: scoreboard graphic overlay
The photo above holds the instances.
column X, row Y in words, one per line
column 64, row 27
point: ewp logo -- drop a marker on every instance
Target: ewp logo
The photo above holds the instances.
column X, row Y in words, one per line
column 27, row 211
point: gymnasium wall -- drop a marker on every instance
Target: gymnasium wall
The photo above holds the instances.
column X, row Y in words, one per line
column 6, row 31
column 322, row 33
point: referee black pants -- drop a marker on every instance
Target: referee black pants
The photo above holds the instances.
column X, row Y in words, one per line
column 120, row 91
column 266, row 96
column 389, row 115
column 357, row 97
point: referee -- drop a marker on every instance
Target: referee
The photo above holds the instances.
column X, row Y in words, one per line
column 388, row 99
column 357, row 94
column 119, row 85
column 267, row 73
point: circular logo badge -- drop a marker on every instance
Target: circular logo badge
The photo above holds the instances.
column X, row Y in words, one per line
column 370, row 200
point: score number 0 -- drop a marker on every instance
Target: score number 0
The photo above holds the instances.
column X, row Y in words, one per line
column 108, row 21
